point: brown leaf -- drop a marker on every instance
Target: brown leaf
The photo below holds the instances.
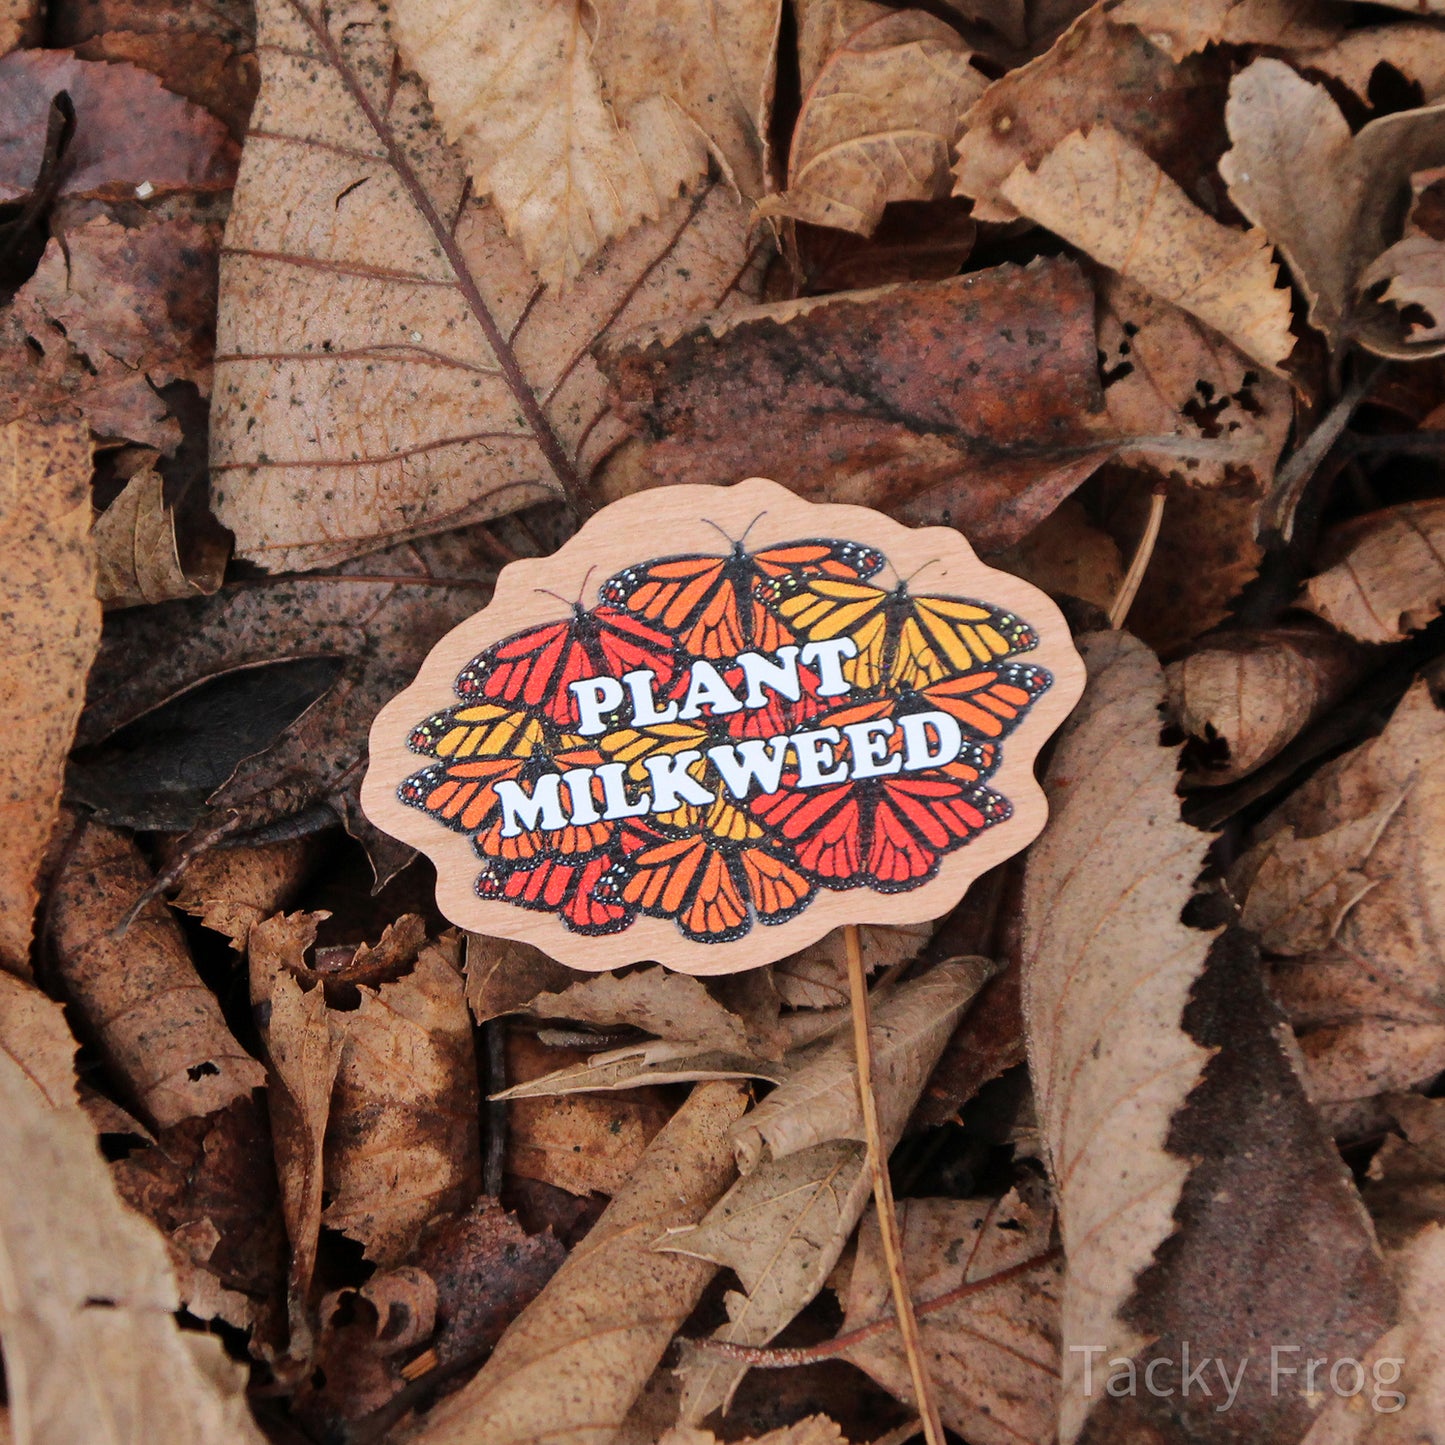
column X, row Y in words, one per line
column 1096, row 73
column 19, row 23
column 1164, row 372
column 577, row 1144
column 819, row 1101
column 209, row 1186
column 205, row 53
column 36, row 1039
column 989, row 1041
column 1067, row 555
column 229, row 889
column 52, row 628
column 389, row 364
column 572, row 1362
column 402, row 1142
column 994, row 1353
column 1186, row 30
column 91, row 1343
column 783, row 1225
column 1271, row 1246
column 304, row 1043
column 883, row 397
column 1107, row 971
column 129, row 130
column 883, row 93
column 107, row 319
column 817, row 977
column 1416, row 49
column 1390, row 576
column 137, row 554
column 1103, row 194
column 1366, row 832
column 1248, row 694
column 137, row 993
column 504, row 975
column 815, row 1430
column 1325, row 197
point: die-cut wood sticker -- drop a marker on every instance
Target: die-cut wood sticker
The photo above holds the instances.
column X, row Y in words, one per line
column 721, row 721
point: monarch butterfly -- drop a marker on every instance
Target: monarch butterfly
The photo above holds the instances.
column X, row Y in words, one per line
column 570, row 889
column 478, row 730
column 989, row 702
column 713, row 888
column 537, row 666
column 712, row 604
column 903, row 640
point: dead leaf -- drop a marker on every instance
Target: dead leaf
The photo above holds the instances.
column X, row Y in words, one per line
column 988, row 1042
column 19, row 25
column 1248, row 694
column 51, row 633
column 504, row 975
column 128, row 130
column 418, row 377
column 205, row 53
column 883, row 91
column 1067, row 555
column 815, row 1430
column 578, row 1144
column 1363, row 990
column 402, row 1142
column 819, row 1101
column 1390, row 576
column 209, row 1186
column 87, row 1310
column 137, row 993
column 572, row 1362
column 1186, row 30
column 36, row 1039
column 1270, row 1243
column 1096, row 73
column 817, row 977
column 304, row 1042
column 783, row 1225
column 632, row 1066
column 1166, row 372
column 107, row 320
column 1416, row 49
column 137, row 555
column 1107, row 971
column 994, row 1354
column 1325, row 197
column 229, row 889
column 883, row 397
column 1103, row 194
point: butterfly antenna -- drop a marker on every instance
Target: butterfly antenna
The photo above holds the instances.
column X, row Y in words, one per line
column 582, row 590
column 708, row 522
column 566, row 602
column 932, row 562
column 751, row 525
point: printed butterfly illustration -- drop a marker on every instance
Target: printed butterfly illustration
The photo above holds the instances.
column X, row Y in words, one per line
column 724, row 735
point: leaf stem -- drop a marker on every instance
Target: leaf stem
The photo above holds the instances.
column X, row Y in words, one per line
column 924, row 1399
column 1139, row 564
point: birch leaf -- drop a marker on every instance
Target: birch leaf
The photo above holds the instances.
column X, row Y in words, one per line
column 388, row 363
column 1103, row 194
column 1108, row 968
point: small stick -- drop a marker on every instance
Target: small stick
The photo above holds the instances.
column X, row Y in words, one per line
column 883, row 1195
column 1139, row 565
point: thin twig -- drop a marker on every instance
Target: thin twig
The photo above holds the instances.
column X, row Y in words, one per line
column 1139, row 564
column 883, row 1195
column 494, row 1039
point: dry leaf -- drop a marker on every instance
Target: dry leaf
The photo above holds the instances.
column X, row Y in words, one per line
column 1067, row 555
column 402, row 1142
column 19, row 25
column 1164, row 372
column 1186, row 30
column 884, row 397
column 138, row 558
column 581, row 1145
column 883, row 93
column 1390, row 578
column 229, row 889
column 572, row 1362
column 1248, row 694
column 782, row 1226
column 504, row 975
column 1325, row 197
column 1107, row 971
column 1097, row 72
column 91, row 1344
column 129, row 129
column 819, row 1101
column 418, row 377
column 815, row 1430
column 632, row 1066
column 51, row 633
column 35, row 1037
column 1103, row 194
column 817, row 977
column 109, row 318
column 138, row 995
column 1367, row 830
column 1416, row 49
column 304, row 1042
column 994, row 1353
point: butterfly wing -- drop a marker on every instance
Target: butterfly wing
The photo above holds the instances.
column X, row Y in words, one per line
column 938, row 637
column 990, row 702
column 575, row 891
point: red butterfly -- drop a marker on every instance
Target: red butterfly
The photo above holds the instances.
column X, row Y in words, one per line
column 536, row 668
column 712, row 604
column 569, row 889
column 990, row 701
